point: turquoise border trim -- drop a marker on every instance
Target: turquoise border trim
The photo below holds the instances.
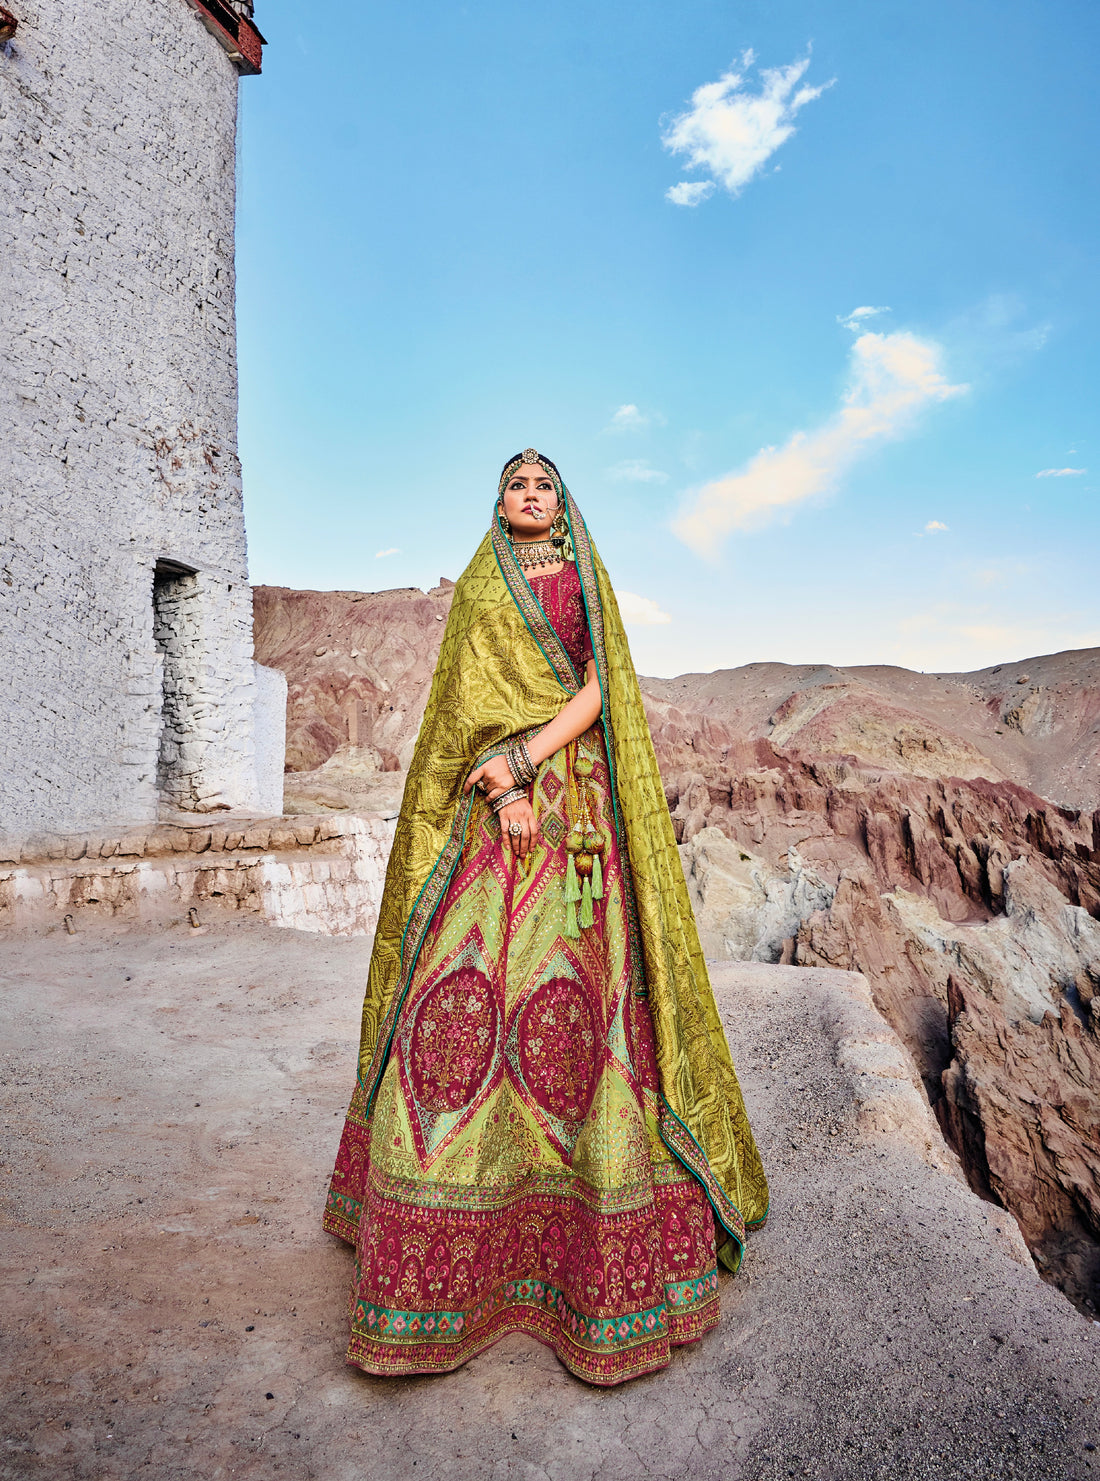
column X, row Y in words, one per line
column 733, row 1234
column 407, row 973
column 508, row 587
column 609, row 739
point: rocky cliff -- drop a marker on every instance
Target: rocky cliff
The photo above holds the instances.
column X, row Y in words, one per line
column 938, row 832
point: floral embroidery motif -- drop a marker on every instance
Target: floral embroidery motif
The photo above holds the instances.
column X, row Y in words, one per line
column 452, row 1041
column 559, row 1056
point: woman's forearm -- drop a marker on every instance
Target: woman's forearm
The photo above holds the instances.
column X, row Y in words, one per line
column 571, row 720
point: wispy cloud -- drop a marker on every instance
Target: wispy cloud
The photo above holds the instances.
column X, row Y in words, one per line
column 636, row 470
column 994, row 333
column 689, row 192
column 934, row 526
column 892, row 378
column 953, row 637
column 731, row 132
column 640, row 611
column 631, row 418
column 381, row 554
column 1000, row 571
column 857, row 319
column 1061, row 472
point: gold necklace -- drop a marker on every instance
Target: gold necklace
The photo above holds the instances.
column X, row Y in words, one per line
column 538, row 552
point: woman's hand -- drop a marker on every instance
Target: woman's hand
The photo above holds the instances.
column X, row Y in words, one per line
column 517, row 845
column 494, row 778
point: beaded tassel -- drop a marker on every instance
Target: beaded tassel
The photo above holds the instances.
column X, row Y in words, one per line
column 586, row 904
column 597, row 878
column 572, row 930
column 572, row 883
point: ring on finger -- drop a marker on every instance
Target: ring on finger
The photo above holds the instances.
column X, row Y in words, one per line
column 515, row 829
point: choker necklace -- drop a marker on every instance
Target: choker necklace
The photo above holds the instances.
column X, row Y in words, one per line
column 538, row 552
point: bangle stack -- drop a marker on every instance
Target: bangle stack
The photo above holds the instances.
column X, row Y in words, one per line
column 515, row 795
column 523, row 769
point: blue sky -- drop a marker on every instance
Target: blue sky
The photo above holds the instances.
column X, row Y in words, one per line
column 455, row 239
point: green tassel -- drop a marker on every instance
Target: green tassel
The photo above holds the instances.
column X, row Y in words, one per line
column 572, row 884
column 572, row 930
column 597, row 878
column 586, row 904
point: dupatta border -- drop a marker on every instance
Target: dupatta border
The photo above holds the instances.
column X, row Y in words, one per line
column 593, row 609
column 530, row 609
column 680, row 1142
column 420, row 918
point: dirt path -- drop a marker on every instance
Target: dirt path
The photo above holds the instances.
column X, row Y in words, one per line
column 171, row 1103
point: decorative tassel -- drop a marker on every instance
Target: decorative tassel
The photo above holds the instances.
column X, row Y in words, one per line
column 597, row 878
column 572, row 884
column 586, row 904
column 572, row 930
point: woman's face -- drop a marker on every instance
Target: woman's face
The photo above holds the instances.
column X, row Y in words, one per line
column 530, row 502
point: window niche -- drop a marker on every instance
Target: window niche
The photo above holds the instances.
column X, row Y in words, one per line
column 177, row 632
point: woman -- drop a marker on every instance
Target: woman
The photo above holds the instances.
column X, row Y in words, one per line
column 546, row 1134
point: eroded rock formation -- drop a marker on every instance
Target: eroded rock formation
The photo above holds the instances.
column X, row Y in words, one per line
column 371, row 653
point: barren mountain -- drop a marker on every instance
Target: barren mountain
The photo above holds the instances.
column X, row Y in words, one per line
column 938, row 832
column 374, row 650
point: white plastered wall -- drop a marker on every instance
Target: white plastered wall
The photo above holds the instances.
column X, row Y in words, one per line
column 118, row 399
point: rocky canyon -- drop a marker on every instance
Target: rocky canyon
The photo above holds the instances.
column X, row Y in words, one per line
column 939, row 833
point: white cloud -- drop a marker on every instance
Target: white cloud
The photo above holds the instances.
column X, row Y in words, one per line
column 689, row 192
column 934, row 526
column 627, row 419
column 855, row 320
column 630, row 418
column 381, row 554
column 732, row 133
column 951, row 637
column 892, row 378
column 640, row 611
column 636, row 470
column 1061, row 473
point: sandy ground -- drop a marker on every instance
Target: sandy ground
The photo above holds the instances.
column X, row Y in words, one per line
column 171, row 1103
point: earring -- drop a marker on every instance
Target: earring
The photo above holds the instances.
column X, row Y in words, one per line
column 504, row 519
column 559, row 531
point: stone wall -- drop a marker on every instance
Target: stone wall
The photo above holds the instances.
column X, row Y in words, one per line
column 118, row 397
column 320, row 874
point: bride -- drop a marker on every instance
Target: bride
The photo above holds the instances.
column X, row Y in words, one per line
column 546, row 1133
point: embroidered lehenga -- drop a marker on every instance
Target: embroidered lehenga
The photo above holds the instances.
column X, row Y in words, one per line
column 546, row 1133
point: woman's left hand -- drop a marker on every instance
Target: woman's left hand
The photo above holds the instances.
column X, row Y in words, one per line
column 517, row 830
column 494, row 778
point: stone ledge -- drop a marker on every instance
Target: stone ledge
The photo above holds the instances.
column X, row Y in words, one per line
column 317, row 874
column 157, row 840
